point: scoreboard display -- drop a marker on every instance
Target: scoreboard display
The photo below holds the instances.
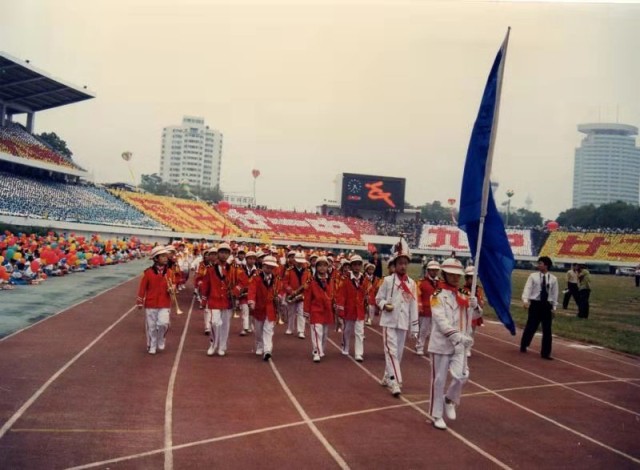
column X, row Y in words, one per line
column 368, row 192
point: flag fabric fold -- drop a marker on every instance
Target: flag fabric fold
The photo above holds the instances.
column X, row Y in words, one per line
column 478, row 215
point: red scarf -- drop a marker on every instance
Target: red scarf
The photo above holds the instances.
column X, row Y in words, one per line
column 404, row 286
column 462, row 300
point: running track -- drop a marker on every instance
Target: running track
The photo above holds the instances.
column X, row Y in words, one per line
column 78, row 390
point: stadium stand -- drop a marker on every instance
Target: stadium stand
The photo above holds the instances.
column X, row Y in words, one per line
column 300, row 226
column 16, row 141
column 451, row 238
column 48, row 199
column 593, row 246
column 182, row 215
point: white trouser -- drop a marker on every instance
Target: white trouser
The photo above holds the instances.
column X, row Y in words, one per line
column 441, row 364
column 220, row 322
column 371, row 311
column 207, row 319
column 156, row 326
column 257, row 331
column 319, row 334
column 351, row 326
column 425, row 332
column 267, row 336
column 296, row 317
column 246, row 324
column 393, row 342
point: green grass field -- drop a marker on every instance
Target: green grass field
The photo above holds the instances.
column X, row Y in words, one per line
column 614, row 317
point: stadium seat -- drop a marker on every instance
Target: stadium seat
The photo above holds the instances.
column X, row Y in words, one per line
column 47, row 199
column 16, row 141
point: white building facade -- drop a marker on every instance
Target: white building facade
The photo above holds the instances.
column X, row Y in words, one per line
column 607, row 165
column 191, row 153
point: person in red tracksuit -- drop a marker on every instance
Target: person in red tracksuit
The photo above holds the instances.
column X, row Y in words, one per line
column 351, row 302
column 426, row 288
column 262, row 301
column 209, row 257
column 154, row 296
column 245, row 274
column 216, row 292
column 318, row 306
column 295, row 281
column 373, row 284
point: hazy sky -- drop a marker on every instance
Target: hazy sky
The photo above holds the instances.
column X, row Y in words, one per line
column 306, row 90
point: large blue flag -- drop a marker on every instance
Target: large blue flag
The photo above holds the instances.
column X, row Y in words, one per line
column 495, row 263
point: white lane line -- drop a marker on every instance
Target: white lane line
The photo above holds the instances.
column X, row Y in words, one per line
column 332, row 451
column 580, row 392
column 168, row 404
column 562, row 360
column 415, row 406
column 65, row 309
column 546, row 418
column 16, row 416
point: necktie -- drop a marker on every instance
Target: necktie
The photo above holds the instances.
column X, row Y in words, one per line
column 544, row 294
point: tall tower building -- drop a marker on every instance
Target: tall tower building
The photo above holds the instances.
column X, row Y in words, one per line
column 607, row 165
column 191, row 153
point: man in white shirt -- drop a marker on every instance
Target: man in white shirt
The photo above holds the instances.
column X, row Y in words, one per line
column 540, row 297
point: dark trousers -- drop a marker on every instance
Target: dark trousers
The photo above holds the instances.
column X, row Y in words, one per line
column 539, row 312
column 583, row 303
column 637, row 281
column 571, row 292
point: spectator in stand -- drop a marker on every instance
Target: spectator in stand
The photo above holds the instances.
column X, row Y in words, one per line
column 637, row 273
column 572, row 287
column 377, row 262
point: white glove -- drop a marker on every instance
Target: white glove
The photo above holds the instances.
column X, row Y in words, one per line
column 456, row 338
column 467, row 341
column 473, row 303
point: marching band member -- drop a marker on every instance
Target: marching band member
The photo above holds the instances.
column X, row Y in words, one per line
column 313, row 259
column 296, row 279
column 452, row 313
column 372, row 289
column 350, row 303
column 479, row 294
column 154, row 296
column 262, row 300
column 245, row 276
column 426, row 288
column 318, row 306
column 398, row 303
column 210, row 256
column 216, row 291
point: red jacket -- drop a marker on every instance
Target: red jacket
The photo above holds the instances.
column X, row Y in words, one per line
column 263, row 293
column 201, row 272
column 373, row 284
column 215, row 287
column 350, row 297
column 293, row 279
column 153, row 291
column 318, row 302
column 426, row 288
column 243, row 280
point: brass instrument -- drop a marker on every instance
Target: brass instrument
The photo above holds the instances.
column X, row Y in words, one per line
column 298, row 294
column 172, row 292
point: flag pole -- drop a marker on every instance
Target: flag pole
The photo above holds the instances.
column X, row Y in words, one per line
column 486, row 186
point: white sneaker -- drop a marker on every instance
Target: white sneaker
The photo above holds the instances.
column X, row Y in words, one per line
column 152, row 350
column 359, row 358
column 322, row 355
column 469, row 353
column 259, row 352
column 161, row 345
column 420, row 352
column 439, row 423
column 243, row 333
column 316, row 358
column 369, row 322
column 221, row 353
column 288, row 332
column 301, row 335
column 344, row 353
column 395, row 389
column 385, row 382
column 211, row 350
column 450, row 410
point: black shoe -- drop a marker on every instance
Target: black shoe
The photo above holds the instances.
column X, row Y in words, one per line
column 523, row 350
column 266, row 357
column 548, row 358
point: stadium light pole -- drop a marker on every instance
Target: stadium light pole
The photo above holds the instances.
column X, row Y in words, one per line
column 255, row 173
column 510, row 193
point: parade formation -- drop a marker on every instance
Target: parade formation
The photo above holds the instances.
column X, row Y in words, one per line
column 309, row 292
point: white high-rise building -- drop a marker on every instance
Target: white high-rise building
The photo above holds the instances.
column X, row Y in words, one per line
column 191, row 153
column 607, row 165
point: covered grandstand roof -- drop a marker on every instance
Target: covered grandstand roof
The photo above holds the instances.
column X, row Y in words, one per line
column 24, row 88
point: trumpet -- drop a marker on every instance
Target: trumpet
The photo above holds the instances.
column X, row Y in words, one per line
column 298, row 294
column 172, row 292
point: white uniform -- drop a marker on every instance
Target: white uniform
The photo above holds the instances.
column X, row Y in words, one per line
column 396, row 323
column 450, row 320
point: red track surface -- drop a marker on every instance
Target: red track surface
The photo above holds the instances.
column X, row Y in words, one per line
column 71, row 397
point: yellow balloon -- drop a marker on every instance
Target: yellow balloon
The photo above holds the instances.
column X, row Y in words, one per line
column 1, row 259
column 89, row 255
column 17, row 256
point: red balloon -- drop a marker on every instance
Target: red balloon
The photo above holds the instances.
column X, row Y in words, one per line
column 255, row 173
column 552, row 225
column 223, row 206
